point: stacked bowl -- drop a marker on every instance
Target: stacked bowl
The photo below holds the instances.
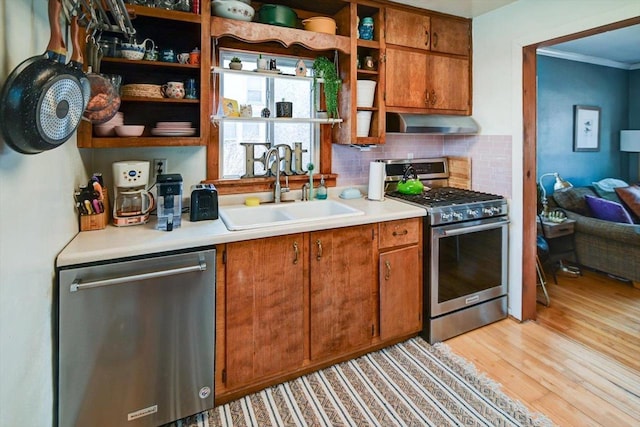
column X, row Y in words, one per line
column 109, row 128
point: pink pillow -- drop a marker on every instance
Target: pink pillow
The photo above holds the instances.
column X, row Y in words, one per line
column 608, row 210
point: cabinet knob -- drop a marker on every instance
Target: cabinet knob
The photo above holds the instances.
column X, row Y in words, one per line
column 400, row 233
column 435, row 40
column 426, row 37
column 434, row 97
column 319, row 244
column 426, row 97
column 295, row 252
column 387, row 274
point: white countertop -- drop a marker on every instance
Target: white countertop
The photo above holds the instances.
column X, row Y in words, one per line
column 119, row 242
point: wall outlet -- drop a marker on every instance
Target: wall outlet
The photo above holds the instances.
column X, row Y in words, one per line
column 160, row 167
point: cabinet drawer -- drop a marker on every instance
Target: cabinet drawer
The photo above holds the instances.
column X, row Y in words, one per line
column 398, row 233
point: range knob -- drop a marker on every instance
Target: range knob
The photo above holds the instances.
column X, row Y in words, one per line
column 473, row 213
column 446, row 216
column 487, row 211
column 458, row 216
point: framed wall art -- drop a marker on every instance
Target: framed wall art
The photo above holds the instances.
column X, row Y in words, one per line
column 586, row 128
column 230, row 107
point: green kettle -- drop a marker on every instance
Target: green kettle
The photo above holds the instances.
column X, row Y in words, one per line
column 410, row 186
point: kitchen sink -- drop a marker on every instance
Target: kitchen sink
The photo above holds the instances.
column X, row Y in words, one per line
column 240, row 217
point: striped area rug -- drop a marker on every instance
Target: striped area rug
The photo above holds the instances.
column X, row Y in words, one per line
column 408, row 384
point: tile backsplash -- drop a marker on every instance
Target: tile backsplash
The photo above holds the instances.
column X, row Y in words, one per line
column 490, row 157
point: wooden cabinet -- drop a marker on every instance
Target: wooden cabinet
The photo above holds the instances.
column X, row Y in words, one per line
column 400, row 278
column 428, row 66
column 264, row 308
column 341, row 290
column 427, row 82
column 449, row 35
column 364, row 121
column 161, row 26
column 406, row 28
column 406, row 84
column 288, row 305
column 435, row 33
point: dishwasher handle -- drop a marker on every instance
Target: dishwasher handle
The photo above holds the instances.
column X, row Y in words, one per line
column 77, row 284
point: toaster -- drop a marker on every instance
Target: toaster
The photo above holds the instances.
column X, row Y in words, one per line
column 204, row 202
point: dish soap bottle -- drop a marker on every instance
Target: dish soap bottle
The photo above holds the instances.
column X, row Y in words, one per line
column 321, row 192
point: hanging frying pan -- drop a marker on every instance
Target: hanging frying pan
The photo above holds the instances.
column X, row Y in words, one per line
column 41, row 102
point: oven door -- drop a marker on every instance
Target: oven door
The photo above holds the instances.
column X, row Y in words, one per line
column 468, row 264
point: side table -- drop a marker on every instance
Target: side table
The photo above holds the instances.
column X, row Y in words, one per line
column 559, row 237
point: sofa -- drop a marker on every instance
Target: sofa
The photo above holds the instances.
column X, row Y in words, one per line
column 608, row 246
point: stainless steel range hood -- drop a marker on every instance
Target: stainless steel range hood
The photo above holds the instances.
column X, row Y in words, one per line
column 430, row 123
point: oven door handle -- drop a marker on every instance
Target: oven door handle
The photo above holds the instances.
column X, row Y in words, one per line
column 474, row 228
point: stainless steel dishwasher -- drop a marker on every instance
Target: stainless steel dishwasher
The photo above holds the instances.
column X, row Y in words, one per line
column 136, row 340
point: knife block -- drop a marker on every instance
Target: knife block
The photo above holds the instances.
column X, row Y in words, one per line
column 97, row 221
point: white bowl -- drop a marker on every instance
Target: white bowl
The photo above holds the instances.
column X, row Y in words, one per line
column 129, row 130
column 133, row 54
column 232, row 9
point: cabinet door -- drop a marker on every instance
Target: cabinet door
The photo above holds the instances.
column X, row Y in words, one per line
column 450, row 35
column 407, row 29
column 400, row 292
column 448, row 83
column 342, row 290
column 265, row 302
column 406, row 77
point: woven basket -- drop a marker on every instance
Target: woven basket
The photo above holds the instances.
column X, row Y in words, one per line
column 142, row 90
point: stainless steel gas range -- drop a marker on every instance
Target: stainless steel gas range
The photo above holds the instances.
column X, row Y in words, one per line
column 465, row 249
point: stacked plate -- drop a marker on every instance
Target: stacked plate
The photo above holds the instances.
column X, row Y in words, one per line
column 173, row 129
column 109, row 128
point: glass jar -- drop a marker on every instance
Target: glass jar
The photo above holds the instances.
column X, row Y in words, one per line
column 110, row 46
column 366, row 29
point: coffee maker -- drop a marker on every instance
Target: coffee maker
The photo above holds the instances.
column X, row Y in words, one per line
column 132, row 200
column 169, row 201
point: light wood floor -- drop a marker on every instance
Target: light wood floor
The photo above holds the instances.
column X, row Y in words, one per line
column 578, row 363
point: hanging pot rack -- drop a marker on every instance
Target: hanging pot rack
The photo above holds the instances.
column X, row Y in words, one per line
column 100, row 15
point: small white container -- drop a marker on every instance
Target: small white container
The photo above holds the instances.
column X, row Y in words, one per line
column 363, row 119
column 366, row 90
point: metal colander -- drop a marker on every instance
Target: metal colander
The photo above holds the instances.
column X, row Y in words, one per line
column 60, row 109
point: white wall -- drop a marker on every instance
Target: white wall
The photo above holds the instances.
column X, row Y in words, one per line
column 37, row 220
column 498, row 39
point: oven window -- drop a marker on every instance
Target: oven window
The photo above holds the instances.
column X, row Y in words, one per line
column 469, row 263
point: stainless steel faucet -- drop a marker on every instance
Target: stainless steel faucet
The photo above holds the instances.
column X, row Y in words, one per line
column 277, row 189
column 305, row 192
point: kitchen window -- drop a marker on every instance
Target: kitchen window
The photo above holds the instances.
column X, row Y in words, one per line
column 261, row 91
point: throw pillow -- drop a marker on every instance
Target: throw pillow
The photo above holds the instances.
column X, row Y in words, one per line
column 608, row 210
column 572, row 199
column 630, row 197
column 606, row 188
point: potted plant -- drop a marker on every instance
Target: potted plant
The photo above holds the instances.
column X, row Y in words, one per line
column 325, row 69
column 235, row 64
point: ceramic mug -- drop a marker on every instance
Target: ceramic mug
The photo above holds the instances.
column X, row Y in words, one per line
column 194, row 57
column 183, row 58
column 173, row 90
column 167, row 55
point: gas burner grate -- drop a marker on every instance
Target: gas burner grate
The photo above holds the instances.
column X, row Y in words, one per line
column 446, row 196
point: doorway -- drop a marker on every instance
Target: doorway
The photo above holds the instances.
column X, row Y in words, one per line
column 529, row 106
